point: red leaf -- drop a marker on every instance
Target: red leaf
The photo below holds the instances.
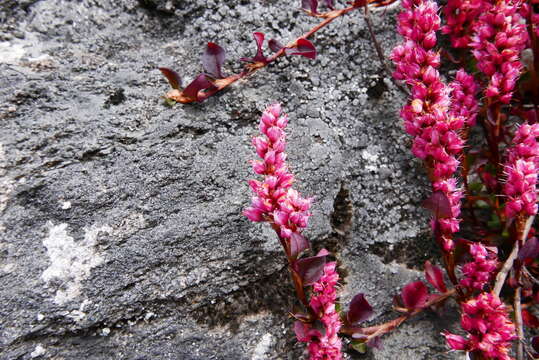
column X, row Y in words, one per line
column 535, row 344
column 304, row 48
column 530, row 250
column 529, row 319
column 439, row 204
column 302, row 331
column 200, row 83
column 310, row 269
column 259, row 57
column 213, row 59
column 330, row 4
column 310, row 5
column 375, row 342
column 172, row 76
column 435, row 276
column 275, row 45
column 360, row 310
column 414, row 295
column 298, row 243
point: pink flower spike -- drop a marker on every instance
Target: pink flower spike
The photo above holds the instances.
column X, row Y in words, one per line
column 521, row 171
column 431, row 116
column 275, row 201
column 325, row 346
column 499, row 37
column 478, row 272
column 490, row 331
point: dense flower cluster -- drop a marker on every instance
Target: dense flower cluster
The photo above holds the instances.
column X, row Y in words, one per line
column 521, row 170
column 427, row 115
column 275, row 201
column 490, row 331
column 460, row 16
column 463, row 97
column 500, row 35
column 327, row 345
column 478, row 272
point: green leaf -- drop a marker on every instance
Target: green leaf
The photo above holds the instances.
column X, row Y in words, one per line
column 481, row 204
column 475, row 188
column 471, row 66
column 169, row 102
column 494, row 222
column 360, row 347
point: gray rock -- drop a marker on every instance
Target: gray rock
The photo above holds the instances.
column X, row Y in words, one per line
column 121, row 232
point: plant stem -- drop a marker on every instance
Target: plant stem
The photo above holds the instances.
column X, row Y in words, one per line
column 250, row 69
column 374, row 331
column 296, row 279
column 502, row 274
column 518, row 323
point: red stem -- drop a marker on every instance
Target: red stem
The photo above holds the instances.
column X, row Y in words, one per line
column 378, row 330
column 250, row 69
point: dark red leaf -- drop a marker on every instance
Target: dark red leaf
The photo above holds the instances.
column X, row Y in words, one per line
column 304, row 48
column 529, row 319
column 298, row 243
column 259, row 38
column 302, row 331
column 414, row 295
column 360, row 310
column 172, row 76
column 535, row 344
column 200, row 83
column 435, row 276
column 259, row 57
column 329, row 4
column 310, row 5
column 213, row 59
column 530, row 250
column 275, row 45
column 439, row 204
column 375, row 342
column 310, row 269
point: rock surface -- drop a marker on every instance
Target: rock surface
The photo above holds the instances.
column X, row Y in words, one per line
column 121, row 234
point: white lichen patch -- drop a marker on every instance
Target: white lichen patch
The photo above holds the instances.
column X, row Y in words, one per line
column 371, row 156
column 79, row 315
column 11, row 53
column 262, row 349
column 38, row 351
column 65, row 205
column 71, row 261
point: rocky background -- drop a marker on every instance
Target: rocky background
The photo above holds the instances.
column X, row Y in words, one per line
column 121, row 234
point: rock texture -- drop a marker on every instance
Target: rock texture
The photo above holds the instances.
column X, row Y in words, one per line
column 121, row 234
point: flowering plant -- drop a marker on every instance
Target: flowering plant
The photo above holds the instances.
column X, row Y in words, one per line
column 475, row 128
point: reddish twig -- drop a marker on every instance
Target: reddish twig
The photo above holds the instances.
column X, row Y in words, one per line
column 502, row 274
column 250, row 69
column 374, row 331
column 518, row 323
column 380, row 52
